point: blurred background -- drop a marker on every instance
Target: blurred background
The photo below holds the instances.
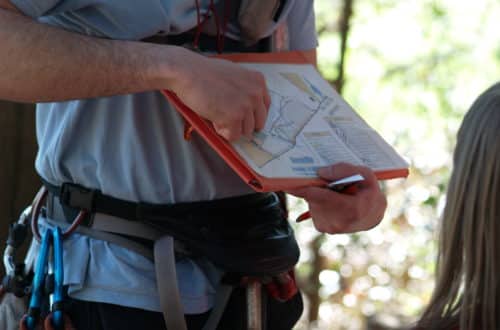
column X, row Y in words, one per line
column 411, row 68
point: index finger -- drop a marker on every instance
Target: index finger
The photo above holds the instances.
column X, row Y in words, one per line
column 267, row 97
column 260, row 114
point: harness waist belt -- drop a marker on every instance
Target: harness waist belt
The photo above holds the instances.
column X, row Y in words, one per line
column 74, row 198
column 245, row 235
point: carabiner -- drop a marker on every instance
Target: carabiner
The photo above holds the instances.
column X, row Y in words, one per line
column 33, row 315
column 56, row 306
column 48, row 264
column 18, row 275
column 17, row 236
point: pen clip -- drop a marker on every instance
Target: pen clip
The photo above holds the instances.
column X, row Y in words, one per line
column 346, row 185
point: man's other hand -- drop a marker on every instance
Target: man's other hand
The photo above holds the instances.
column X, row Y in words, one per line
column 334, row 212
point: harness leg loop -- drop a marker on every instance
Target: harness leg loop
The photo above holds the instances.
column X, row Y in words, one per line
column 254, row 305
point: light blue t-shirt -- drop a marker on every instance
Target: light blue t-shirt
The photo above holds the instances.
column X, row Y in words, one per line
column 132, row 147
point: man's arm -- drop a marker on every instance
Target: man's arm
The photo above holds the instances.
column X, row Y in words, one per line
column 40, row 63
column 43, row 63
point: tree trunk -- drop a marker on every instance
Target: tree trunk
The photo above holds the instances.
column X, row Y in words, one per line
column 344, row 28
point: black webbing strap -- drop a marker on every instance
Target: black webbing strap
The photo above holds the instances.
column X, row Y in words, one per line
column 76, row 197
column 81, row 198
column 207, row 43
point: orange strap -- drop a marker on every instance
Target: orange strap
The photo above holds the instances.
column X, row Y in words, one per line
column 283, row 286
column 188, row 131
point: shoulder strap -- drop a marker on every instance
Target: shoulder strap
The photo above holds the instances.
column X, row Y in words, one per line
column 256, row 17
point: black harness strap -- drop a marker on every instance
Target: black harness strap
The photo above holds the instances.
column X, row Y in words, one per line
column 77, row 197
column 208, row 43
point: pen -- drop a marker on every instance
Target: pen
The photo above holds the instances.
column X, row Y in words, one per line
column 347, row 185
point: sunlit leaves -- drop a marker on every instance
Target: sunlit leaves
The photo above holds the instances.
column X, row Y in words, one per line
column 413, row 68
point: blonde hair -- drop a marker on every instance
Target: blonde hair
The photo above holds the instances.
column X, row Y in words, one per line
column 467, row 292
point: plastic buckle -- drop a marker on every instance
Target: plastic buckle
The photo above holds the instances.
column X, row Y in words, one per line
column 76, row 196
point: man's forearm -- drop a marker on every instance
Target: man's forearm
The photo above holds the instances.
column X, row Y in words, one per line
column 40, row 63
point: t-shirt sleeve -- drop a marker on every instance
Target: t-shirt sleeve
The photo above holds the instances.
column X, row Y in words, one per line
column 301, row 26
column 35, row 8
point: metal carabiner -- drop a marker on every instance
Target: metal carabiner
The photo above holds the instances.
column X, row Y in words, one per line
column 17, row 235
column 18, row 274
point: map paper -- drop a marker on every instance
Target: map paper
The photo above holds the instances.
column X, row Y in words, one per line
column 310, row 126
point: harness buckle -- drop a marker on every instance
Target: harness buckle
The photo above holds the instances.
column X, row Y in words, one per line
column 77, row 196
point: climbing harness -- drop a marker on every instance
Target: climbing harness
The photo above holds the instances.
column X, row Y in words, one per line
column 256, row 252
column 257, row 248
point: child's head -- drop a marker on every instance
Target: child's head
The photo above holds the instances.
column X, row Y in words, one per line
column 468, row 285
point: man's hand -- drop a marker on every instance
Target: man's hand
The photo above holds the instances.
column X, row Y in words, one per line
column 334, row 212
column 233, row 98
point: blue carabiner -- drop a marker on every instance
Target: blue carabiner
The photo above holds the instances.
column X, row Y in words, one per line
column 57, row 299
column 37, row 291
column 51, row 238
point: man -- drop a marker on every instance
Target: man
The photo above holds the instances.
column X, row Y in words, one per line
column 101, row 125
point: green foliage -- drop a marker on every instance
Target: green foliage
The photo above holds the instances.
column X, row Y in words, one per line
column 413, row 68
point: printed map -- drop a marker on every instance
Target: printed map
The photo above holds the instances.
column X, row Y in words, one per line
column 287, row 118
column 308, row 126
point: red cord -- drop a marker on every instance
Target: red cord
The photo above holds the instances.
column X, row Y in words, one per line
column 220, row 31
column 198, row 24
column 217, row 24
